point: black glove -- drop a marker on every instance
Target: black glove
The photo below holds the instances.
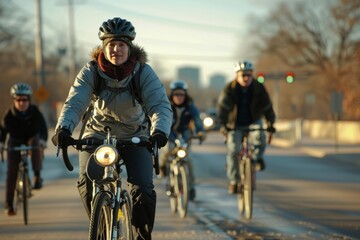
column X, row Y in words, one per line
column 271, row 129
column 62, row 137
column 159, row 137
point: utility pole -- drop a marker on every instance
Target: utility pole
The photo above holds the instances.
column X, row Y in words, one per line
column 71, row 41
column 39, row 57
column 41, row 93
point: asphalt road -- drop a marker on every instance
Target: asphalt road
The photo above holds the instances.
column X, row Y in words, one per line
column 297, row 197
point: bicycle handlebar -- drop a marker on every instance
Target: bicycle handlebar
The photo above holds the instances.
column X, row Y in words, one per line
column 78, row 143
column 18, row 148
column 248, row 129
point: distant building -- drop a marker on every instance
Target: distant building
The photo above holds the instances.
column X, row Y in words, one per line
column 217, row 81
column 191, row 75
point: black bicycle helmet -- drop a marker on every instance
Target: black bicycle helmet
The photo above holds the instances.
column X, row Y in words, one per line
column 243, row 66
column 20, row 89
column 179, row 85
column 117, row 28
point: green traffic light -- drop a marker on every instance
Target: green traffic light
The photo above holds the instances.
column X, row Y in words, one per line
column 289, row 79
column 261, row 79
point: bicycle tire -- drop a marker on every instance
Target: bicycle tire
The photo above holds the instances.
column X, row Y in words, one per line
column 124, row 218
column 248, row 189
column 18, row 192
column 240, row 195
column 173, row 198
column 182, row 190
column 24, row 194
column 100, row 219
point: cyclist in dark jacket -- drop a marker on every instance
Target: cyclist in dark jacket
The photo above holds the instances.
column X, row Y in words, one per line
column 185, row 114
column 23, row 123
column 242, row 103
column 118, row 60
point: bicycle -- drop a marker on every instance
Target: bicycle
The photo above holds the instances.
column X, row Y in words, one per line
column 178, row 184
column 23, row 184
column 111, row 204
column 247, row 169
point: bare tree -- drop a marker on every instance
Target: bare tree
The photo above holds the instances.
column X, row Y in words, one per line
column 322, row 37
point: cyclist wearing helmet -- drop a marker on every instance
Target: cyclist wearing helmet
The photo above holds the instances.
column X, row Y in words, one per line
column 23, row 123
column 184, row 111
column 243, row 102
column 116, row 61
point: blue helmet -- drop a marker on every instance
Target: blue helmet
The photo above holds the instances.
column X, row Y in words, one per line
column 243, row 66
column 179, row 84
column 20, row 89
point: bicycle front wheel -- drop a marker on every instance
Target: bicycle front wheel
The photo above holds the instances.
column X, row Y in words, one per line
column 240, row 194
column 241, row 202
column 23, row 186
column 182, row 190
column 248, row 189
column 124, row 218
column 172, row 195
column 100, row 219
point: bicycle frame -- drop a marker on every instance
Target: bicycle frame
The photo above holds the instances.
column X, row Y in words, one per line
column 111, row 184
column 111, row 204
column 178, row 178
column 247, row 170
column 23, row 183
column 178, row 181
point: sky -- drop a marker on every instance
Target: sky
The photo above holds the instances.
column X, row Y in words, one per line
column 209, row 34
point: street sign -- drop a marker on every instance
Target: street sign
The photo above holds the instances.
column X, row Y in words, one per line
column 336, row 102
column 41, row 94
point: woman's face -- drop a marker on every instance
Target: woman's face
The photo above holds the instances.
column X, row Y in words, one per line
column 178, row 96
column 117, row 52
column 22, row 103
column 244, row 78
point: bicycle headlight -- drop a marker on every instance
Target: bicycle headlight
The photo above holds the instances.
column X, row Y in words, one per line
column 106, row 155
column 181, row 153
column 208, row 122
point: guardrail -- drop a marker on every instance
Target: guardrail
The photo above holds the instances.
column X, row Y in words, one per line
column 294, row 130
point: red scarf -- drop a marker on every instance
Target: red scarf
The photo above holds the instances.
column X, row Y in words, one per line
column 116, row 72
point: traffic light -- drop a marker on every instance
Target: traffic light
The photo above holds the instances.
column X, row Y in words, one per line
column 261, row 77
column 290, row 77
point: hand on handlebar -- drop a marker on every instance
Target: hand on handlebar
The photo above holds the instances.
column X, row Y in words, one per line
column 62, row 138
column 271, row 129
column 159, row 137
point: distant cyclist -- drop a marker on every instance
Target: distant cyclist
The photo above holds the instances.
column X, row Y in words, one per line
column 184, row 113
column 242, row 103
column 23, row 123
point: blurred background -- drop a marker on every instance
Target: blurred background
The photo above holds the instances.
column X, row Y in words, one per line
column 306, row 53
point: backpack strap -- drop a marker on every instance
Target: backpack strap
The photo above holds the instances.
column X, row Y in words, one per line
column 98, row 84
column 135, row 86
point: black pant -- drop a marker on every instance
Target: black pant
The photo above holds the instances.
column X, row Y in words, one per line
column 139, row 168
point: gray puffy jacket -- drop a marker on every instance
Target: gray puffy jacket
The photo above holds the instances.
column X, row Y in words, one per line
column 115, row 108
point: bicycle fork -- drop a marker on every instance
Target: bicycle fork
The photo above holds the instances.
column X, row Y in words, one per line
column 117, row 211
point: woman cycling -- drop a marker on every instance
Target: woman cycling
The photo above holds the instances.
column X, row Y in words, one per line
column 116, row 61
